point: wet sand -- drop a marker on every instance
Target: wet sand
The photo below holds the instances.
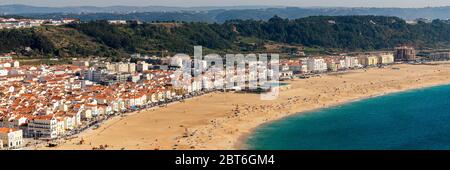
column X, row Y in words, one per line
column 223, row 120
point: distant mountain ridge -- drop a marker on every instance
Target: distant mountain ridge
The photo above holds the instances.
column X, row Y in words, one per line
column 26, row 9
column 215, row 13
column 295, row 12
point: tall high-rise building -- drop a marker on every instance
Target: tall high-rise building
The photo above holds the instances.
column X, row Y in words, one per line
column 405, row 53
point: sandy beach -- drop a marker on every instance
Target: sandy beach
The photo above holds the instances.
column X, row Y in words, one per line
column 222, row 120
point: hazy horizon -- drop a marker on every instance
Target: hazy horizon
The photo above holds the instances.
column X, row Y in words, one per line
column 206, row 3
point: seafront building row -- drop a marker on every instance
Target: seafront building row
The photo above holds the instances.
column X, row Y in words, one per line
column 320, row 64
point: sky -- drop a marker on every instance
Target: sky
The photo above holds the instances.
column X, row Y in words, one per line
column 190, row 3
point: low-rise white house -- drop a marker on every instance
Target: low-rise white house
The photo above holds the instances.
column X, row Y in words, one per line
column 70, row 122
column 90, row 110
column 11, row 138
column 14, row 122
column 117, row 22
column 135, row 99
column 60, row 128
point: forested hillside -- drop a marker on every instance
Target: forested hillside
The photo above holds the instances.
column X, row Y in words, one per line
column 347, row 33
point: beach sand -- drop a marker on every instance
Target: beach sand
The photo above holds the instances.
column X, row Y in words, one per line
column 222, row 120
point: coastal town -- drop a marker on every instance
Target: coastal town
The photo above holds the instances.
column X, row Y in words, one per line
column 41, row 104
column 21, row 23
column 15, row 23
column 224, row 84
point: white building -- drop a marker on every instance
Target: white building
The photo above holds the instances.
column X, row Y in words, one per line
column 93, row 74
column 118, row 22
column 3, row 72
column 180, row 61
column 316, row 65
column 43, row 127
column 200, row 64
column 11, row 138
column 121, row 67
column 14, row 122
column 387, row 58
column 142, row 66
column 134, row 100
column 135, row 78
column 5, row 65
column 15, row 64
column 304, row 68
column 131, row 67
column 349, row 62
column 81, row 63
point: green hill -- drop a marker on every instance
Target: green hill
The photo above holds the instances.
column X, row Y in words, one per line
column 342, row 33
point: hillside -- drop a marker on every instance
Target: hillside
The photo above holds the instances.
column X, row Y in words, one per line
column 214, row 14
column 70, row 42
column 348, row 32
column 342, row 33
column 50, row 41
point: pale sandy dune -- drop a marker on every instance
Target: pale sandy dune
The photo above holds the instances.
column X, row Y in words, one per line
column 221, row 120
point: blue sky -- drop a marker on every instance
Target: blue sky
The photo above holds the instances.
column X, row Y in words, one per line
column 188, row 3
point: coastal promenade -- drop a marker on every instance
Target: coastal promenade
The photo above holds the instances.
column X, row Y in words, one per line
column 222, row 120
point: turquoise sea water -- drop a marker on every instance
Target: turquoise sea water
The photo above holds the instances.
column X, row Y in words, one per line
column 416, row 120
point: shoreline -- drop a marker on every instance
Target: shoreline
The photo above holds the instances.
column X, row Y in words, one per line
column 241, row 144
column 225, row 120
